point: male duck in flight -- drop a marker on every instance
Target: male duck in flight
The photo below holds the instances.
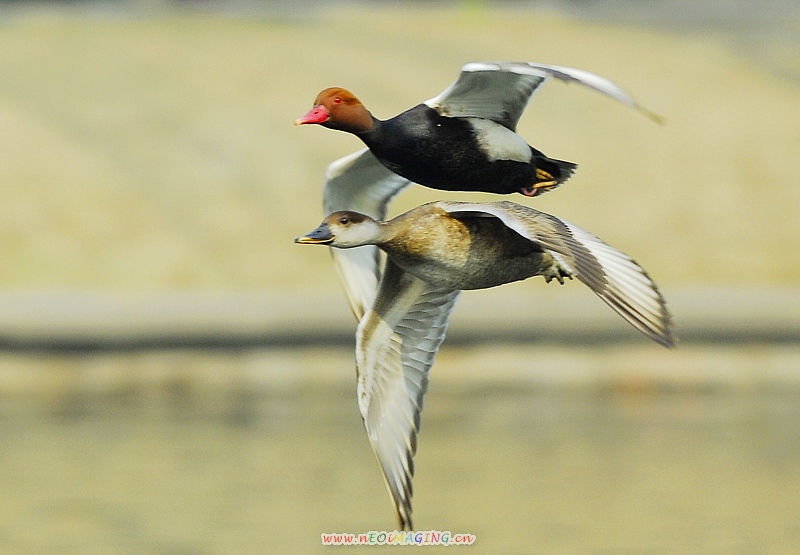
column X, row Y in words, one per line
column 465, row 138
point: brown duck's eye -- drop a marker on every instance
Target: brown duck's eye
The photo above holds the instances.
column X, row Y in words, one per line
column 344, row 220
column 337, row 100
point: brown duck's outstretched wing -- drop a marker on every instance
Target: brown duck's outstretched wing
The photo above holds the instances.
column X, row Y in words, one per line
column 360, row 183
column 396, row 343
column 613, row 275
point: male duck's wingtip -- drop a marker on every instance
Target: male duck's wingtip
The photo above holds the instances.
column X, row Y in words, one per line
column 652, row 116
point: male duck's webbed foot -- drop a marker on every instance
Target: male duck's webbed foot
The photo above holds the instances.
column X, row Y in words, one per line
column 544, row 182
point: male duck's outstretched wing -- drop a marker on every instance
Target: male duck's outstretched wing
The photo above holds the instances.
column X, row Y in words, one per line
column 613, row 275
column 360, row 183
column 396, row 343
column 500, row 91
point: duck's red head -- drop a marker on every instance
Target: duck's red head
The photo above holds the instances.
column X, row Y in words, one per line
column 338, row 108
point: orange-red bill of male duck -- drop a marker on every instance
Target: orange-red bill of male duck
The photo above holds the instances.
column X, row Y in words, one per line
column 433, row 252
column 465, row 138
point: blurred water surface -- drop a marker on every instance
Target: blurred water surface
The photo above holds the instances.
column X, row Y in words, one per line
column 548, row 469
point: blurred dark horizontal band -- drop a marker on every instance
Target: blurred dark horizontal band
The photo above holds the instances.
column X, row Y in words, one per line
column 88, row 321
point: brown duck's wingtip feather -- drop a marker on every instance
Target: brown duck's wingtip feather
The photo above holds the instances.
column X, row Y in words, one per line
column 670, row 340
column 405, row 522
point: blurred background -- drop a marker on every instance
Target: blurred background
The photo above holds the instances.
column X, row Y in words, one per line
column 177, row 377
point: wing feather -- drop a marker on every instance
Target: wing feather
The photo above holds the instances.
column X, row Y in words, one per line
column 613, row 275
column 396, row 343
column 359, row 182
column 500, row 91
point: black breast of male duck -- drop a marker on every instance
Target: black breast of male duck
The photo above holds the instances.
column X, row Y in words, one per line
column 462, row 154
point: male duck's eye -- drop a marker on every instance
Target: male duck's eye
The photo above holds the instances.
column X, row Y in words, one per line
column 337, row 100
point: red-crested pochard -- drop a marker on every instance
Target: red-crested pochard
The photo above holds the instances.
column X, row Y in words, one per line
column 465, row 138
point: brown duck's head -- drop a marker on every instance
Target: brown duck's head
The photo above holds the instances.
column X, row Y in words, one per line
column 344, row 230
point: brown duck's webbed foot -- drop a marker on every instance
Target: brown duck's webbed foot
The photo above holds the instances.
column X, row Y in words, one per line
column 556, row 271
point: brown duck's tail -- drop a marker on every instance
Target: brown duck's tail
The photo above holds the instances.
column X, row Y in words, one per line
column 550, row 173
